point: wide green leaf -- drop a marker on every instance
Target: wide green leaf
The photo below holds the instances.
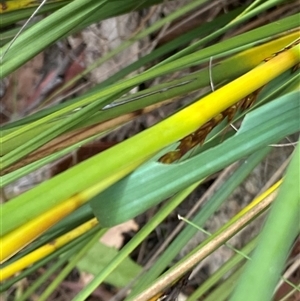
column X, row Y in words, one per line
column 97, row 259
column 154, row 182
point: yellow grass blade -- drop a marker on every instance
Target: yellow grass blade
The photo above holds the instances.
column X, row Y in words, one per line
column 258, row 205
column 45, row 250
column 8, row 6
column 16, row 240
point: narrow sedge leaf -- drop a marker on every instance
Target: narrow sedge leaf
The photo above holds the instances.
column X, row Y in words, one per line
column 135, row 241
column 154, row 182
column 22, row 236
column 282, row 227
column 43, row 251
column 155, row 54
column 222, row 272
column 194, row 59
column 25, row 234
column 70, row 257
column 45, row 276
column 33, row 142
column 223, row 290
column 211, row 206
column 74, row 244
column 228, row 69
column 8, row 6
column 233, row 226
column 68, row 16
column 126, row 156
column 23, row 14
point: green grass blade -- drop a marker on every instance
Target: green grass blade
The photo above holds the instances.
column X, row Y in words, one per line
column 260, row 128
column 281, row 228
column 136, row 240
column 34, row 40
column 78, row 242
column 221, row 272
column 22, row 14
column 246, row 166
column 222, row 30
column 223, row 290
column 72, row 263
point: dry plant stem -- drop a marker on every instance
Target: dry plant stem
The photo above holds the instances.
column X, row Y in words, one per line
column 290, row 294
column 293, row 268
column 162, row 32
column 290, row 143
column 21, row 236
column 210, row 75
column 208, row 193
column 194, row 15
column 67, row 95
column 288, row 9
column 190, row 262
column 278, row 174
column 143, row 23
column 93, row 66
column 57, row 79
column 294, row 144
column 159, row 36
column 78, row 135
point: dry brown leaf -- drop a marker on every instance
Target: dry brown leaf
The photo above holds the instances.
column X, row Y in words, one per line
column 114, row 238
